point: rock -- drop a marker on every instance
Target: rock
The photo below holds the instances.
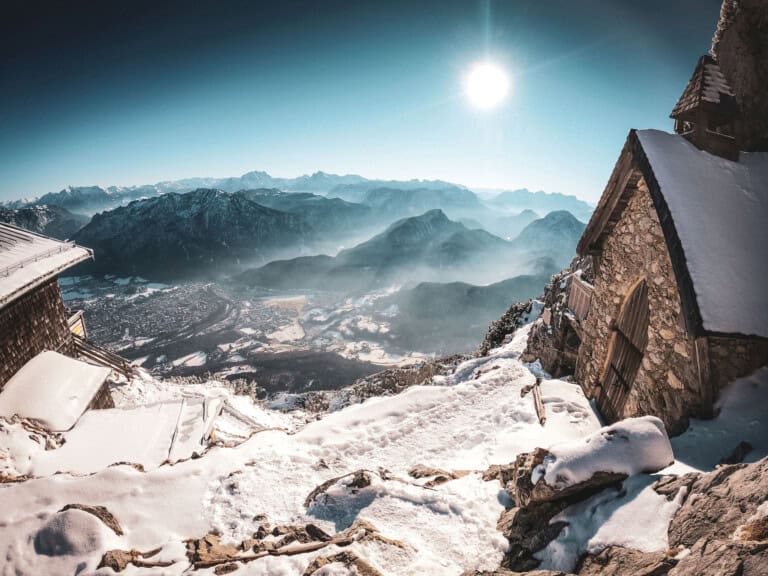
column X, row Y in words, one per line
column 118, row 560
column 226, row 568
column 208, row 549
column 528, row 531
column 101, row 513
column 349, row 559
column 619, row 561
column 437, row 475
column 524, row 491
column 723, row 558
column 719, row 502
column 503, row 572
column 71, row 532
column 359, row 479
column 316, row 533
column 754, row 531
column 501, row 472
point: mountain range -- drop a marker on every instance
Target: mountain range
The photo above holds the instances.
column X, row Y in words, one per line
column 52, row 221
column 440, row 317
column 195, row 233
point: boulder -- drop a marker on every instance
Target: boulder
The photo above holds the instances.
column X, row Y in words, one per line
column 525, row 492
column 71, row 532
column 619, row 561
column 724, row 558
column 583, row 467
column 529, row 530
column 719, row 503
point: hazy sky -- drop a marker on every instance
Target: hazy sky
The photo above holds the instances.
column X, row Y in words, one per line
column 137, row 92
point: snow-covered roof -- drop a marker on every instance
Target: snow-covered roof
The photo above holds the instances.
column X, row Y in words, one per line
column 52, row 388
column 714, row 214
column 28, row 259
column 707, row 85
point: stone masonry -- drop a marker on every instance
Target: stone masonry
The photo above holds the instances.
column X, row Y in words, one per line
column 667, row 382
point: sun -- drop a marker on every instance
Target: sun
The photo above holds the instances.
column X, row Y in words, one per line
column 486, row 85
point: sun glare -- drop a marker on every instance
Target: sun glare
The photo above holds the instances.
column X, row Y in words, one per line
column 486, row 85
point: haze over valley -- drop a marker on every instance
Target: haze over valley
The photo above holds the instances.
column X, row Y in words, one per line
column 293, row 284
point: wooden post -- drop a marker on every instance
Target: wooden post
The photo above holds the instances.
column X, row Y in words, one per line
column 538, row 404
column 706, row 391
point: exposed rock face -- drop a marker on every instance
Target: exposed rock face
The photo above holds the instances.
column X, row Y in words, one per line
column 740, row 46
column 719, row 529
column 719, row 502
column 528, row 531
column 501, row 331
column 618, row 561
column 554, row 340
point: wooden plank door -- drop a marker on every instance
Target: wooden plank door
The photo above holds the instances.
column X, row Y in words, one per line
column 625, row 352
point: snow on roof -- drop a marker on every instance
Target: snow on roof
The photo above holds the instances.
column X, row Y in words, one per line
column 707, row 84
column 720, row 213
column 28, row 259
column 53, row 389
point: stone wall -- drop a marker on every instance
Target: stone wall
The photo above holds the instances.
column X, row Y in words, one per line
column 667, row 382
column 740, row 46
column 732, row 358
column 34, row 322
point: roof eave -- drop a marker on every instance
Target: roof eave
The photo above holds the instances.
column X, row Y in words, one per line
column 43, row 278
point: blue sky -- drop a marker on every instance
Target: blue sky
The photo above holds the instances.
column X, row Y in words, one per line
column 134, row 93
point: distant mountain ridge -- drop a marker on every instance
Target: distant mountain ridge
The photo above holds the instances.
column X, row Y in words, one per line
column 554, row 236
column 49, row 220
column 541, row 202
column 91, row 199
column 196, row 233
column 426, row 245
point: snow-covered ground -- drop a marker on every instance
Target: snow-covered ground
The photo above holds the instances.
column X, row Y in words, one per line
column 463, row 422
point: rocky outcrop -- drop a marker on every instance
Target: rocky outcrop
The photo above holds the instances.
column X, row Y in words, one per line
column 525, row 492
column 719, row 503
column 554, row 340
column 618, row 561
column 501, row 331
column 721, row 529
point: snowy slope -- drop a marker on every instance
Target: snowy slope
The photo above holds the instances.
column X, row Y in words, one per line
column 474, row 418
column 464, row 422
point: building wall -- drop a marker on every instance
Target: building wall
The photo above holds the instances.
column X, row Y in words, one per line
column 667, row 382
column 732, row 358
column 30, row 324
column 740, row 46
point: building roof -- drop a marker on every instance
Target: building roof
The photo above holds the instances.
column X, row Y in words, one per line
column 28, row 259
column 52, row 388
column 707, row 87
column 713, row 213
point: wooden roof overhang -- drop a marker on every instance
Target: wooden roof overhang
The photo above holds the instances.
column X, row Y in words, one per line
column 633, row 165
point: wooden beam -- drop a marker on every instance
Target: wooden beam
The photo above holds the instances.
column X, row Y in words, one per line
column 537, row 402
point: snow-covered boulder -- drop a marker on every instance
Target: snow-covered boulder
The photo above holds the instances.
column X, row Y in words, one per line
column 70, row 533
column 609, row 455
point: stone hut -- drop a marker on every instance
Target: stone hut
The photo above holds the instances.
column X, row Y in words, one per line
column 679, row 244
column 32, row 315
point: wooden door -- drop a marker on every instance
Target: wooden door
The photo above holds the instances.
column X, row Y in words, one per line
column 625, row 352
